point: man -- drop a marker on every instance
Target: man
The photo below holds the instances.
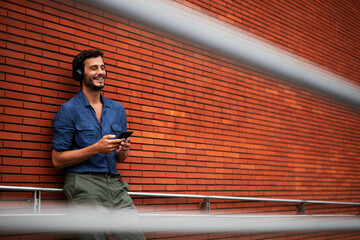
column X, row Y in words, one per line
column 86, row 144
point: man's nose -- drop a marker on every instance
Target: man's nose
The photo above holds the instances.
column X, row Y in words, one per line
column 101, row 71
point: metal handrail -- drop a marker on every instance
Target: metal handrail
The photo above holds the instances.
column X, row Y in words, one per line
column 28, row 189
column 36, row 193
column 37, row 198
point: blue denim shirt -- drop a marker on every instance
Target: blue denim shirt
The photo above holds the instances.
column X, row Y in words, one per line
column 76, row 126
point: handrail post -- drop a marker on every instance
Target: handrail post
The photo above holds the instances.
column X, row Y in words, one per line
column 207, row 206
column 35, row 201
column 39, row 201
column 303, row 208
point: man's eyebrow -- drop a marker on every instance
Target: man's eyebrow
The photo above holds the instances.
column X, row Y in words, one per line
column 95, row 65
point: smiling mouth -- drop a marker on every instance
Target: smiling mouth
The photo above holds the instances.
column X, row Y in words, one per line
column 99, row 79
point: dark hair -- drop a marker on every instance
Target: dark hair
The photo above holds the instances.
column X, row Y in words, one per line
column 79, row 60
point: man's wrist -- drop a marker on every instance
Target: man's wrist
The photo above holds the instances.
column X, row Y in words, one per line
column 94, row 148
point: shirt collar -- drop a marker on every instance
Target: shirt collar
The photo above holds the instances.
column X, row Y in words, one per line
column 85, row 102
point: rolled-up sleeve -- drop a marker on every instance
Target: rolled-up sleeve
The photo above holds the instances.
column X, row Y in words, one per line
column 63, row 126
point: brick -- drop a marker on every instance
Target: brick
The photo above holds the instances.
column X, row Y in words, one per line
column 12, row 37
column 26, row 63
column 24, row 145
column 10, row 135
column 11, row 119
column 13, row 70
column 42, row 15
column 21, row 96
column 58, row 27
column 104, row 47
column 12, row 127
column 37, row 170
column 43, row 32
column 15, row 111
column 22, row 48
column 12, row 22
column 42, row 107
column 10, row 169
column 65, row 37
column 10, row 152
column 35, row 154
column 22, row 80
column 37, row 122
column 40, row 91
column 7, row 178
column 41, row 60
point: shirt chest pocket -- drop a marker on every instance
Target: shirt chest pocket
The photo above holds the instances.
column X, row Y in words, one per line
column 86, row 135
column 117, row 129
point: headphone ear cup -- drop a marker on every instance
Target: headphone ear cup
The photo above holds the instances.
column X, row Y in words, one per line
column 78, row 75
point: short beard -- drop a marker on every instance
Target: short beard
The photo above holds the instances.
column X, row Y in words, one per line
column 90, row 84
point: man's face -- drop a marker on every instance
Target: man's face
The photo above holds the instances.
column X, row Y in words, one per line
column 94, row 73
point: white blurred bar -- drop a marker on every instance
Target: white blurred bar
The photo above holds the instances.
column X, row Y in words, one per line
column 92, row 221
column 234, row 44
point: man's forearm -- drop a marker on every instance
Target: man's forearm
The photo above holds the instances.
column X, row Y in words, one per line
column 121, row 156
column 72, row 157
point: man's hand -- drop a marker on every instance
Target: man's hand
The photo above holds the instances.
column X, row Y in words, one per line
column 122, row 152
column 107, row 144
column 125, row 144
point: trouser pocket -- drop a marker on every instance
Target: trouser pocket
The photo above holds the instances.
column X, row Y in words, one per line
column 69, row 186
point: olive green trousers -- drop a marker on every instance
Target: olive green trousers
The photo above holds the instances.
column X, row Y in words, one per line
column 100, row 192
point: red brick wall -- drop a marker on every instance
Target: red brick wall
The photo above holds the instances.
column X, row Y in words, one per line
column 203, row 123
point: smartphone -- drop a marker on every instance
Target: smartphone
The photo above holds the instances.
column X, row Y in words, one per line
column 125, row 134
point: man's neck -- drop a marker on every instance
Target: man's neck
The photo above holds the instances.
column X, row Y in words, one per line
column 92, row 96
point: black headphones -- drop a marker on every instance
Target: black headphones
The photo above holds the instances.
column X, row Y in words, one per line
column 78, row 71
